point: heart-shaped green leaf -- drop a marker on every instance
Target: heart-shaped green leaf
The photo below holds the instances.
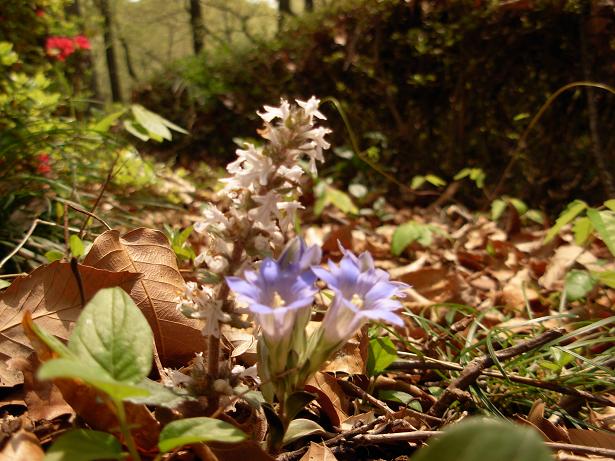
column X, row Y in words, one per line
column 195, row 430
column 113, row 334
column 84, row 445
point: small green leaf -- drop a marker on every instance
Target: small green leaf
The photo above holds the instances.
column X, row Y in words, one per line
column 296, row 402
column 160, row 395
column 582, row 229
column 381, row 354
column 519, row 205
column 604, row 223
column 610, row 204
column 578, row 283
column 407, row 233
column 435, row 180
column 54, row 255
column 4, row 284
column 341, row 200
column 417, row 182
column 478, row 439
column 606, row 277
column 571, row 212
column 136, row 130
column 497, row 209
column 112, row 333
column 301, row 428
column 103, row 125
column 76, row 246
column 196, row 430
column 84, row 445
column 399, row 397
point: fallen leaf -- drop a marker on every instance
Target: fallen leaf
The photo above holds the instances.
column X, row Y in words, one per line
column 517, row 292
column 436, row 284
column 318, row 452
column 239, row 451
column 351, row 358
column 331, row 397
column 358, row 420
column 564, row 257
column 43, row 399
column 52, row 295
column 592, row 438
column 147, row 251
column 22, row 446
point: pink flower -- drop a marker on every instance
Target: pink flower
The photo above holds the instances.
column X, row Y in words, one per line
column 82, row 42
column 43, row 167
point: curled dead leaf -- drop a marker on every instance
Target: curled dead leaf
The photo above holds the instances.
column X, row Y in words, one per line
column 22, row 446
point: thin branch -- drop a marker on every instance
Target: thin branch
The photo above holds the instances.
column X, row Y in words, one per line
column 469, row 375
column 21, row 243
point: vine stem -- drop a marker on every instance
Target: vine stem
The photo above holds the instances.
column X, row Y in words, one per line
column 130, row 442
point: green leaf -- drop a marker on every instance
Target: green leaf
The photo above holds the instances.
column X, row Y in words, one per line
column 399, row 397
column 160, row 395
column 381, row 354
column 54, row 255
column 84, row 445
column 582, row 229
column 196, row 430
column 151, row 122
column 519, row 205
column 606, row 277
column 301, row 428
column 417, row 182
column 103, row 125
column 478, row 439
column 90, row 374
column 296, row 402
column 331, row 196
column 578, row 283
column 610, row 204
column 136, row 130
column 604, row 223
column 112, row 333
column 407, row 233
column 435, row 180
column 497, row 209
column 76, row 246
column 571, row 212
column 4, row 284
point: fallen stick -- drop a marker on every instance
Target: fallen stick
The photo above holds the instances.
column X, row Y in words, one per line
column 457, row 388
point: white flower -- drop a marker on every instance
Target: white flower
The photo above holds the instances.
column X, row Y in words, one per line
column 267, row 207
column 251, row 168
column 272, row 113
column 291, row 210
column 311, row 108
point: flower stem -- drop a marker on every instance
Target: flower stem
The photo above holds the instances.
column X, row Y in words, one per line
column 128, row 440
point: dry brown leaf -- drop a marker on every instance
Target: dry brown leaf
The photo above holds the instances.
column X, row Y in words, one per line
column 51, row 293
column 351, row 358
column 22, row 446
column 592, row 438
column 332, row 399
column 355, row 420
column 564, row 257
column 318, row 452
column 147, row 251
column 43, row 399
column 436, row 284
column 243, row 451
column 517, row 292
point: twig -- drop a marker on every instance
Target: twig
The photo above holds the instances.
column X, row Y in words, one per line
column 366, row 396
column 21, row 243
column 473, row 370
column 581, row 449
column 396, row 437
column 98, row 199
column 432, row 364
column 74, row 266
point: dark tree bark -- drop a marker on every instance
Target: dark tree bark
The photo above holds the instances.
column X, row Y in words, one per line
column 308, row 5
column 108, row 36
column 283, row 11
column 196, row 24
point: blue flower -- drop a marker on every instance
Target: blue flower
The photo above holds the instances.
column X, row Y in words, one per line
column 282, row 291
column 362, row 293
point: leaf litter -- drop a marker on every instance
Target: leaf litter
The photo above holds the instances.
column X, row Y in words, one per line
column 479, row 289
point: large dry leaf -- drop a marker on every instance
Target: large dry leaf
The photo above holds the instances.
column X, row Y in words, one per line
column 318, row 452
column 23, row 446
column 52, row 295
column 331, row 397
column 147, row 251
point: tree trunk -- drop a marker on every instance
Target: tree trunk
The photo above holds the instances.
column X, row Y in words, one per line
column 308, row 5
column 283, row 11
column 196, row 23
column 108, row 36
